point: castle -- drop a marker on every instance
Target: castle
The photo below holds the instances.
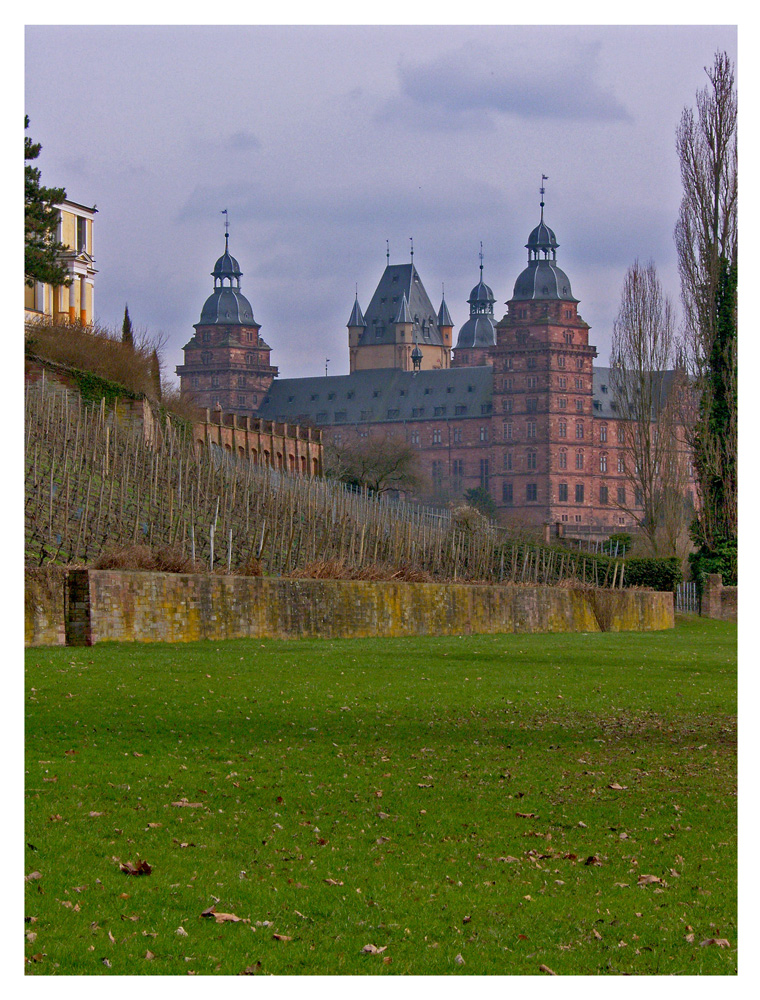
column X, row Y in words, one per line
column 516, row 407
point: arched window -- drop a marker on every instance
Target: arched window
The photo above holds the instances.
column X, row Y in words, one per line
column 579, row 460
column 603, row 462
column 563, row 458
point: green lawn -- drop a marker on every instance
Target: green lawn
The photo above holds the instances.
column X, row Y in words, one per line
column 475, row 805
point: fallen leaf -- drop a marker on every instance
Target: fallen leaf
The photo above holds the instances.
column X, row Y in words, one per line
column 111, row 938
column 31, row 936
column 154, row 826
column 720, row 942
column 423, row 786
column 56, row 818
column 569, row 857
column 593, row 859
column 690, row 938
column 93, row 813
column 282, row 937
column 508, row 858
column 382, row 840
column 38, row 957
column 148, row 954
column 547, row 970
column 250, row 970
column 383, row 815
column 332, row 881
column 648, row 879
column 596, row 934
column 387, row 959
column 181, row 932
column 32, row 876
column 581, row 823
column 459, row 960
column 616, row 786
column 526, row 815
column 222, row 918
column 136, row 754
column 466, row 920
column 141, row 868
column 187, row 805
column 372, row 949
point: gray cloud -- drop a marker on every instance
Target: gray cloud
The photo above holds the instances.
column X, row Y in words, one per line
column 244, row 141
column 476, row 81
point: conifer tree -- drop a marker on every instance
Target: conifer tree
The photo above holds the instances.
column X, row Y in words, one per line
column 41, row 248
column 126, row 329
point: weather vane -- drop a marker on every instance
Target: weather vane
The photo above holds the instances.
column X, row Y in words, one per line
column 387, row 251
column 226, row 226
column 543, row 190
column 411, row 240
column 481, row 260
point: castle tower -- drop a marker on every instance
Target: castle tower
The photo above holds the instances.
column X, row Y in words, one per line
column 399, row 315
column 478, row 335
column 227, row 364
column 543, row 395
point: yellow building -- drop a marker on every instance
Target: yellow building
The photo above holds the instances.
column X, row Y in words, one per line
column 73, row 303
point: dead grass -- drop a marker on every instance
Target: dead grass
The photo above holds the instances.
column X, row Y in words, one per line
column 163, row 559
column 336, row 569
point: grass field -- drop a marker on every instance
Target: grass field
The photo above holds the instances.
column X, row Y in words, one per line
column 476, row 805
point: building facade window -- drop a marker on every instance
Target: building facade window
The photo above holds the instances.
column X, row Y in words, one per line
column 437, row 473
column 531, row 492
column 508, row 461
column 531, row 404
column 506, row 405
column 531, row 381
column 241, row 399
column 579, row 405
column 639, row 500
column 603, row 462
column 531, row 460
column 621, row 496
column 561, row 361
column 604, row 495
column 579, row 431
column 195, row 381
column 579, row 460
column 436, row 439
column 530, row 428
column 563, row 492
column 620, row 432
column 562, row 381
column 602, row 432
column 457, row 435
column 206, row 357
column 562, row 402
column 579, row 383
column 621, row 463
column 483, row 433
column 531, row 363
column 508, row 430
column 214, row 381
column 562, row 428
column 579, row 492
column 484, row 473
column 563, row 458
column 414, row 437
column 506, row 494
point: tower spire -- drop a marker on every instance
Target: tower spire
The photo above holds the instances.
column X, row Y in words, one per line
column 411, row 240
column 481, row 260
column 226, row 230
column 543, row 190
column 387, row 251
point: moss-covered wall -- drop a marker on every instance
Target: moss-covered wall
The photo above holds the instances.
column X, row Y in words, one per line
column 43, row 606
column 167, row 607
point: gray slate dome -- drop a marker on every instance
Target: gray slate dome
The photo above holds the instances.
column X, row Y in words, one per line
column 227, row 306
column 226, row 267
column 479, row 330
column 481, row 294
column 542, row 279
column 542, row 238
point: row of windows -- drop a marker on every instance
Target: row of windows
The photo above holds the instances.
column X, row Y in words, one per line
column 563, row 494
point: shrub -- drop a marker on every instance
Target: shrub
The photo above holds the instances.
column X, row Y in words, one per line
column 657, row 574
column 163, row 559
column 724, row 560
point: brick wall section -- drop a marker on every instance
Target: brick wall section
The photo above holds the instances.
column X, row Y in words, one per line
column 718, row 601
column 126, row 605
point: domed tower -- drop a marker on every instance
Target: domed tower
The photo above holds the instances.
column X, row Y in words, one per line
column 227, row 363
column 478, row 335
column 542, row 395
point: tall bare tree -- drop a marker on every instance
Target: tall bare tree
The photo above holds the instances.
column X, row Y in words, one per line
column 643, row 353
column 706, row 243
column 382, row 462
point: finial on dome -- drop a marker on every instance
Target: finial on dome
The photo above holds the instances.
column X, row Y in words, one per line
column 387, row 251
column 226, row 229
column 543, row 191
column 481, row 260
column 411, row 240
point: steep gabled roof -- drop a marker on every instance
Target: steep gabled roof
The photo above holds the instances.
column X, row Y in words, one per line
column 400, row 280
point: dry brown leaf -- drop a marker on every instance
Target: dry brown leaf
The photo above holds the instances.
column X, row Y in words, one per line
column 332, row 881
column 593, row 859
column 148, row 954
column 282, row 937
column 459, row 960
column 181, row 932
column 508, row 858
column 56, row 818
column 387, row 959
column 93, row 813
column 547, row 970
column 720, row 942
column 31, row 936
column 187, row 805
column 141, row 868
column 649, row 879
column 615, row 786
column 526, row 815
column 250, row 970
column 383, row 815
column 32, row 876
column 690, row 938
column 596, row 934
column 372, row 949
column 466, row 920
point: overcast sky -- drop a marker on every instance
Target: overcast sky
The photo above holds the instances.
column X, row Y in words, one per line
column 323, row 142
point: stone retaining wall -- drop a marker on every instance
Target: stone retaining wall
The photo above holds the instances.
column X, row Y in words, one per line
column 124, row 605
column 719, row 601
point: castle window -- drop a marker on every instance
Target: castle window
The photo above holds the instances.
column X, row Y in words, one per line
column 249, row 359
column 579, row 430
column 603, row 462
column 437, row 471
column 639, row 501
column 530, row 429
column 531, row 404
column 366, row 415
column 621, row 463
column 579, row 460
column 414, row 437
column 349, row 395
column 321, row 417
column 531, row 363
column 562, row 428
column 531, row 461
column 562, row 382
column 563, row 458
column 561, row 361
column 620, row 431
column 391, row 414
column 214, row 381
column 340, row 415
column 436, row 439
column 568, row 338
column 579, row 405
column 531, row 492
column 562, row 402
column 506, row 405
column 579, row 363
column 508, row 364
column 506, row 494
column 579, row 383
column 241, row 399
column 206, row 357
column 486, row 407
column 314, row 396
column 621, row 496
column 508, row 383
column 439, row 411
column 508, row 430
column 195, row 381
column 508, row 460
column 417, row 411
column 604, row 495
column 241, row 381
column 563, row 492
column 457, row 471
column 484, row 473
column 457, row 435
column 337, row 439
column 483, row 433
column 206, row 337
column 579, row 492
column 331, row 395
column 460, row 410
column 531, row 381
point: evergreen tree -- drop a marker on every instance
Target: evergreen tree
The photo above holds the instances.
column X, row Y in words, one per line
column 126, row 329
column 41, row 248
column 482, row 501
column 155, row 374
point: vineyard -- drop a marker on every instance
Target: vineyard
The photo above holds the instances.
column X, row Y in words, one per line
column 94, row 483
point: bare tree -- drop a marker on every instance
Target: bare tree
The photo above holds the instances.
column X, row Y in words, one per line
column 706, row 243
column 643, row 352
column 381, row 462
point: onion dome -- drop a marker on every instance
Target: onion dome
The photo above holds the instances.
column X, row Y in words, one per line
column 227, row 305
column 479, row 330
column 542, row 279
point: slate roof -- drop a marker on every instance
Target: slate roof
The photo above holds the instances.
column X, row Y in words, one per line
column 381, row 315
column 607, row 402
column 381, row 395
